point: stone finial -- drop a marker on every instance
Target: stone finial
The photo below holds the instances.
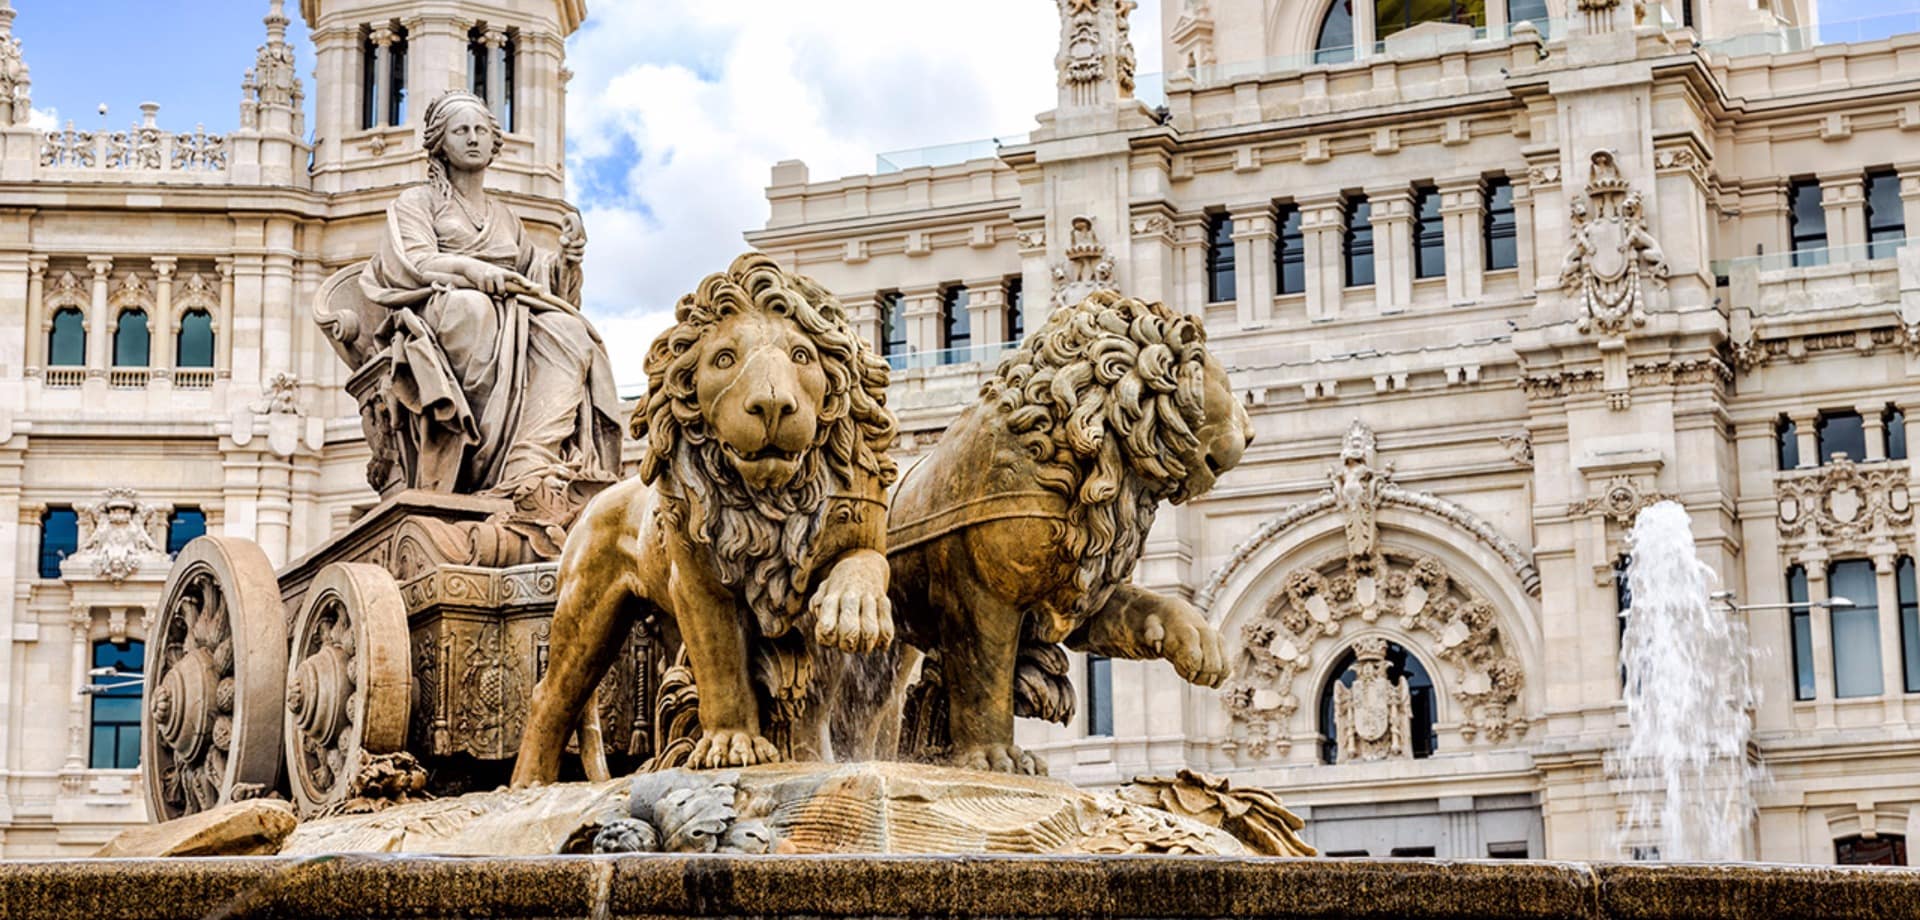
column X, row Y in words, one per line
column 272, row 81
column 276, row 21
column 1096, row 59
column 16, row 104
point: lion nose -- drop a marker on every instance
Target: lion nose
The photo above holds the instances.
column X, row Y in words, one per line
column 770, row 407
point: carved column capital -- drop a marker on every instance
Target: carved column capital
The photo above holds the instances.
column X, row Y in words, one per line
column 37, row 266
column 494, row 38
column 30, row 512
column 382, row 36
column 80, row 617
column 100, row 266
column 164, row 266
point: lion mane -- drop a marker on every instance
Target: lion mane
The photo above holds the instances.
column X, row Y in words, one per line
column 762, row 542
column 1107, row 397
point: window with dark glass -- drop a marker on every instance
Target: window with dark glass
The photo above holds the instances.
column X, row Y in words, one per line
column 1356, row 242
column 1622, row 607
column 1840, row 433
column 397, row 78
column 383, row 78
column 59, row 538
column 115, row 686
column 1219, row 258
column 194, row 346
column 1893, row 432
column 369, row 82
column 1802, row 624
column 1390, row 16
column 1886, row 214
column 1856, row 629
column 67, row 343
column 132, row 347
column 1099, row 695
column 956, row 327
column 478, row 61
column 893, row 329
column 1879, row 850
column 1686, row 14
column 1513, row 849
column 185, row 525
column 509, row 63
column 1534, row 11
column 1909, row 625
column 1502, row 231
column 1429, row 235
column 1290, row 252
column 482, row 61
column 1335, row 44
column 1786, row 438
column 1400, row 663
column 1806, row 223
column 1016, row 309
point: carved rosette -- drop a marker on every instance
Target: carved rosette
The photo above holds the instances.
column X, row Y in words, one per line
column 1621, row 500
column 216, row 662
column 347, row 691
column 1843, row 506
column 1408, row 593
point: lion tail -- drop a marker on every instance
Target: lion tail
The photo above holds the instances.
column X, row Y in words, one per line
column 1041, row 687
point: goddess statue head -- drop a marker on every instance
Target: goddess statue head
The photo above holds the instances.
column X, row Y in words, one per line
column 459, row 133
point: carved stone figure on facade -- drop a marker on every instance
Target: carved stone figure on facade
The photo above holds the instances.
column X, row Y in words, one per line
column 1096, row 58
column 1373, row 717
column 753, row 532
column 490, row 380
column 16, row 103
column 1611, row 256
column 282, row 396
column 1357, row 486
column 1087, row 267
column 119, row 534
column 1020, row 530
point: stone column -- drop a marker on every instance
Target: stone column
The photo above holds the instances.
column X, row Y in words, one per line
column 162, row 333
column 863, row 314
column 987, row 316
column 99, row 353
column 1189, row 267
column 1910, row 196
column 1463, row 211
column 80, row 626
column 1392, row 247
column 36, row 314
column 1843, row 198
column 1253, row 237
column 1820, row 623
column 495, row 41
column 16, row 586
column 1874, row 429
column 382, row 37
column 278, row 308
column 223, row 341
column 1803, row 432
column 921, row 304
column 1322, row 220
column 1892, row 676
column 1523, row 234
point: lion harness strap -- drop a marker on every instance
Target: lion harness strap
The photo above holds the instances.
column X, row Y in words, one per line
column 1033, row 503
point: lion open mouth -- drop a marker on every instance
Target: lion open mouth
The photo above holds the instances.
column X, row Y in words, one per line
column 767, row 452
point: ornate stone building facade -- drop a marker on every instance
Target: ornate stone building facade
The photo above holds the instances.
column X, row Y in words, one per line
column 160, row 372
column 1488, row 286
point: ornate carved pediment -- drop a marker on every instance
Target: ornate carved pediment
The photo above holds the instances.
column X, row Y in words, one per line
column 1414, row 594
column 120, row 536
column 1611, row 255
column 1843, row 505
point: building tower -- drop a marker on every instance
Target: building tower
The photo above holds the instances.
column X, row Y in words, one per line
column 379, row 62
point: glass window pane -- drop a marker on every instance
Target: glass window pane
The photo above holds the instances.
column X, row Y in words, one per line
column 1359, row 242
column 1016, row 309
column 1806, row 223
column 1886, row 214
column 1803, row 687
column 1856, row 630
column 185, row 525
column 1527, row 11
column 1099, row 695
column 105, row 738
column 893, row 329
column 195, row 344
column 59, row 538
column 369, row 79
column 67, row 343
column 1787, row 438
column 1909, row 626
column 397, row 80
column 1335, row 44
column 1841, row 433
column 1220, row 278
column 1894, row 432
column 1291, row 253
column 956, row 328
column 1429, row 235
column 1502, row 236
column 130, row 343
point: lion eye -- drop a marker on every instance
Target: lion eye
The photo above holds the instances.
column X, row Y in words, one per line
column 723, row 360
column 802, row 356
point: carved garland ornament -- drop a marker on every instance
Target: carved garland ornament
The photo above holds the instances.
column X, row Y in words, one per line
column 1843, row 505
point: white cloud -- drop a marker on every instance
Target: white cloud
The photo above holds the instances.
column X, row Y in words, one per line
column 47, row 119
column 679, row 108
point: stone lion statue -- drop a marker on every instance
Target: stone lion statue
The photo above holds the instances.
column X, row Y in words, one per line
column 1020, row 529
column 754, row 533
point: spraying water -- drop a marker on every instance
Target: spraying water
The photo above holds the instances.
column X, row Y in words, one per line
column 1684, row 763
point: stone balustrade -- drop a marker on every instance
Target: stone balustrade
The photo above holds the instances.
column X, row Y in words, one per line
column 143, row 149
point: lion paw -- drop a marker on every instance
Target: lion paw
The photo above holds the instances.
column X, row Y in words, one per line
column 851, row 611
column 1001, row 758
column 1196, row 650
column 732, row 749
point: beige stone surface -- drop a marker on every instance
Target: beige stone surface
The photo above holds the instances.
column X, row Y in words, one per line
column 254, row 827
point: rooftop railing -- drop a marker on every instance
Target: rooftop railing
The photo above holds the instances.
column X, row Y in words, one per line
column 1802, row 38
column 944, row 154
column 1811, row 258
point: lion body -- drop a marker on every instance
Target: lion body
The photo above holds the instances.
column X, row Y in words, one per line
column 759, row 510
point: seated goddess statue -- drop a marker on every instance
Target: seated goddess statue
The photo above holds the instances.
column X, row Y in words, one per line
column 495, row 383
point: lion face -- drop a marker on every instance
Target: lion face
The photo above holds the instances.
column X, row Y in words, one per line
column 760, row 388
column 1225, row 432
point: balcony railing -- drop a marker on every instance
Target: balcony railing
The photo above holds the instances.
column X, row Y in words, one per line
column 66, row 378
column 944, row 357
column 140, row 149
column 129, row 378
column 1810, row 258
column 1802, row 38
column 944, row 154
column 193, row 378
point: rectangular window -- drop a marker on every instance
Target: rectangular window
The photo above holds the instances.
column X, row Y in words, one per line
column 1806, row 223
column 1016, row 309
column 1622, row 607
column 893, row 329
column 1290, row 252
column 1840, row 433
column 1219, row 258
column 1412, row 852
column 956, row 326
column 1856, row 629
column 369, row 82
column 1502, row 229
column 397, row 78
column 1357, row 242
column 1515, row 849
column 1099, row 695
column 1786, row 438
column 1909, row 625
column 59, row 538
column 1429, row 235
column 116, row 691
column 477, row 61
column 1803, row 688
column 509, row 62
column 1893, row 432
column 1886, row 214
column 183, row 527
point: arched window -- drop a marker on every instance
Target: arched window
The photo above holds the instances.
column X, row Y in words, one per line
column 194, row 347
column 1335, row 44
column 115, row 686
column 67, row 343
column 132, row 347
column 1390, row 16
column 1400, row 663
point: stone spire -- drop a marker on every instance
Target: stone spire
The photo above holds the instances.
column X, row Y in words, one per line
column 16, row 103
column 272, row 87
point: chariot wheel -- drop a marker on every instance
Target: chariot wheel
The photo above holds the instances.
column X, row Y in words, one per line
column 347, row 682
column 216, row 663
